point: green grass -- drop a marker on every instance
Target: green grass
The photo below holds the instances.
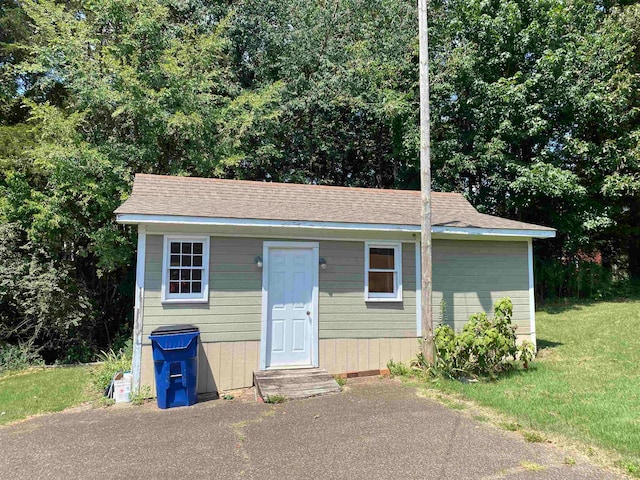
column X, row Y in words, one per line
column 585, row 384
column 36, row 391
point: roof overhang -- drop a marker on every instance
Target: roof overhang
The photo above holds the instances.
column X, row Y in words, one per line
column 493, row 232
column 140, row 219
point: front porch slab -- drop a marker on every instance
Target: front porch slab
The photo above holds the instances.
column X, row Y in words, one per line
column 294, row 383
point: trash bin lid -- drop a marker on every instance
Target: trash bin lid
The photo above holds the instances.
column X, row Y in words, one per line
column 175, row 330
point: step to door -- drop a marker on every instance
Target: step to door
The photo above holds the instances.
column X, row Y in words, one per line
column 294, row 384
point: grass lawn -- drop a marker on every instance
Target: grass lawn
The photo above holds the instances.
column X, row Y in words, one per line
column 41, row 391
column 585, row 384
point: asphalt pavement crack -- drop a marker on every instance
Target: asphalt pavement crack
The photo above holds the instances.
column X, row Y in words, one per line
column 241, row 436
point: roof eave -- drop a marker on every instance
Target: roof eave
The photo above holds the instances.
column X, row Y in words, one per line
column 495, row 232
column 146, row 219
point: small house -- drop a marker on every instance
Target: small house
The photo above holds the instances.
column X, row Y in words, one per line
column 286, row 275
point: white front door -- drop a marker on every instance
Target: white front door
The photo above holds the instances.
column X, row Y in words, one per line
column 291, row 277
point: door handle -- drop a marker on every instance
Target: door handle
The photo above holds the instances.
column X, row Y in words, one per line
column 308, row 312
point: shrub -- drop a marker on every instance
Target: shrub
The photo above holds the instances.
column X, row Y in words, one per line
column 484, row 347
column 41, row 303
column 18, row 357
column 398, row 369
column 112, row 363
column 78, row 353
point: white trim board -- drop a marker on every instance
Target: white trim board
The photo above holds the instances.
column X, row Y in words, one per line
column 248, row 222
column 418, row 260
column 496, row 232
column 138, row 308
column 315, row 331
column 314, row 235
column 532, row 296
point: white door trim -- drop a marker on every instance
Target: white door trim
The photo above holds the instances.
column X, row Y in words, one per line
column 315, row 256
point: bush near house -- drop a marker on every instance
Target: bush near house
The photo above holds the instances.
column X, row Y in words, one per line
column 485, row 347
column 112, row 363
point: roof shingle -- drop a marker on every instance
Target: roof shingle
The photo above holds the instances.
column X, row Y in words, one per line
column 240, row 199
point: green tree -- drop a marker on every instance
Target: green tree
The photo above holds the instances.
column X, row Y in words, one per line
column 347, row 71
column 536, row 116
column 148, row 87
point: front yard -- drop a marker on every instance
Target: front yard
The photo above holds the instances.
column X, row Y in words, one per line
column 585, row 385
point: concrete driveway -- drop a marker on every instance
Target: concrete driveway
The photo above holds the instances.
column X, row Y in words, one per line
column 376, row 429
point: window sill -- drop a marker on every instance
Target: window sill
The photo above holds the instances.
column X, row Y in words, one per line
column 383, row 300
column 172, row 301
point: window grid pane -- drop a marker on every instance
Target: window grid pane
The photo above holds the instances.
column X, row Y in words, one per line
column 186, row 267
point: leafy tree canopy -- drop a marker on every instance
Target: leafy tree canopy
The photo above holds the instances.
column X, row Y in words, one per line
column 534, row 108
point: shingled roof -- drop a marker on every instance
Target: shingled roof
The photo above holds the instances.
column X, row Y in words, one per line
column 238, row 199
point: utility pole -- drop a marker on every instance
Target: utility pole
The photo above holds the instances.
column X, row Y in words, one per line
column 425, row 186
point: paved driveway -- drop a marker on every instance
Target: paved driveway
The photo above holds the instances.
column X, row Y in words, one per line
column 376, row 429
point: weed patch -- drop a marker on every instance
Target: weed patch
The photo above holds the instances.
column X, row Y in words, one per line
column 275, row 399
column 112, row 363
column 532, row 467
column 510, row 426
column 533, row 437
column 18, row 357
column 399, row 369
column 141, row 396
column 341, row 381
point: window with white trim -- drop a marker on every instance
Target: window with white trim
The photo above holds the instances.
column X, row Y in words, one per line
column 383, row 271
column 185, row 269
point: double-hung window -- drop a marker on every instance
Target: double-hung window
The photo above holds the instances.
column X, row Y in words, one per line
column 185, row 269
column 383, row 272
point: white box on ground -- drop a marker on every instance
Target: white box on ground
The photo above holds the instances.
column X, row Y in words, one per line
column 122, row 387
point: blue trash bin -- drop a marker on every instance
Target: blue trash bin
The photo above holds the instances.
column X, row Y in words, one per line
column 175, row 359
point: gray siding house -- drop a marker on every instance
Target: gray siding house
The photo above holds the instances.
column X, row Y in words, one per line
column 286, row 275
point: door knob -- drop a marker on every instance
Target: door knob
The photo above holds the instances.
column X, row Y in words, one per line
column 308, row 313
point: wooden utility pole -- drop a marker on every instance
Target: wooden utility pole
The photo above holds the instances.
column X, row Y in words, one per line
column 425, row 186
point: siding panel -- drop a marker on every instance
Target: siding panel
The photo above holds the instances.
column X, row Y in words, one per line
column 470, row 276
column 343, row 311
column 233, row 312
